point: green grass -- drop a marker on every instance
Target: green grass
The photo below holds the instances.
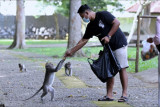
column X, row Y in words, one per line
column 143, row 65
column 5, row 41
column 56, row 51
column 33, row 42
column 59, row 51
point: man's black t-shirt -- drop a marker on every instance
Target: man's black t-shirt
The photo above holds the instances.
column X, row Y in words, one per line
column 101, row 26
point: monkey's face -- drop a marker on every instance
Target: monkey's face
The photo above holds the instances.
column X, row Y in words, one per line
column 68, row 65
column 49, row 65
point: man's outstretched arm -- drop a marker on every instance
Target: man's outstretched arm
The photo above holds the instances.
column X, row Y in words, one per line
column 79, row 45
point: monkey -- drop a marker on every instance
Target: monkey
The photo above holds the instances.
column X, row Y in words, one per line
column 48, row 80
column 22, row 68
column 2, row 105
column 68, row 69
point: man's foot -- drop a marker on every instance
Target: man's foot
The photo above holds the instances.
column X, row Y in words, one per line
column 123, row 99
column 105, row 98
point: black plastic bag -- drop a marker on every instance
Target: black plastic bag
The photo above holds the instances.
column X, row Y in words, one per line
column 106, row 66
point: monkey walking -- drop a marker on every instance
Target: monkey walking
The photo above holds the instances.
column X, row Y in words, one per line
column 68, row 69
column 22, row 68
column 48, row 80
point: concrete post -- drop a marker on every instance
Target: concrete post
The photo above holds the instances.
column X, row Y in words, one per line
column 157, row 41
column 159, row 80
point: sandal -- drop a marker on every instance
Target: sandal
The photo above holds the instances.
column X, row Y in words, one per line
column 123, row 99
column 105, row 98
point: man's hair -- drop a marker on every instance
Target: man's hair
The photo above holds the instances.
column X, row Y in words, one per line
column 83, row 8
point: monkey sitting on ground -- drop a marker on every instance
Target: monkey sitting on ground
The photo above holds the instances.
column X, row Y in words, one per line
column 22, row 68
column 68, row 69
column 48, row 80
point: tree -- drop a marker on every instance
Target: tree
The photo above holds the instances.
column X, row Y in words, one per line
column 74, row 25
column 58, row 10
column 139, row 11
column 96, row 5
column 19, row 37
column 57, row 25
column 63, row 7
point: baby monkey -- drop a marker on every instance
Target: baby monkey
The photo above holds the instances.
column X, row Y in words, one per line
column 68, row 69
column 48, row 80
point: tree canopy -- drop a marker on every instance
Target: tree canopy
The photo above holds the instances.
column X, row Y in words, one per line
column 96, row 5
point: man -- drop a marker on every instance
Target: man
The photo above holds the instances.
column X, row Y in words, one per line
column 106, row 26
column 156, row 40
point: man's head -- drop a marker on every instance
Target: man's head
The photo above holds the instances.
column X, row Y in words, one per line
column 84, row 12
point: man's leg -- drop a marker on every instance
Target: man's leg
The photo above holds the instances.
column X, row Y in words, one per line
column 121, row 55
column 109, row 87
column 124, row 81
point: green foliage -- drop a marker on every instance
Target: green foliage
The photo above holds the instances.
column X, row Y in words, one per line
column 96, row 5
column 63, row 8
column 100, row 5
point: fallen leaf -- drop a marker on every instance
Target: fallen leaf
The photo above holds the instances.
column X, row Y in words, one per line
column 70, row 96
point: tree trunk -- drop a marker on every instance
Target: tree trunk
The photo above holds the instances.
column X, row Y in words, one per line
column 56, row 25
column 19, row 37
column 74, row 26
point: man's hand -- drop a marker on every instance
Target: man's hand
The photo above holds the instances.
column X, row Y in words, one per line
column 68, row 54
column 150, row 40
column 71, row 51
column 105, row 39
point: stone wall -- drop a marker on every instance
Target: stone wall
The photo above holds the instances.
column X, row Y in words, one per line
column 41, row 27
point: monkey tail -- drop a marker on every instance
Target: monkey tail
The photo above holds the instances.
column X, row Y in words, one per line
column 34, row 94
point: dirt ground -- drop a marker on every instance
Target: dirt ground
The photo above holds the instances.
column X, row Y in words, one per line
column 16, row 86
